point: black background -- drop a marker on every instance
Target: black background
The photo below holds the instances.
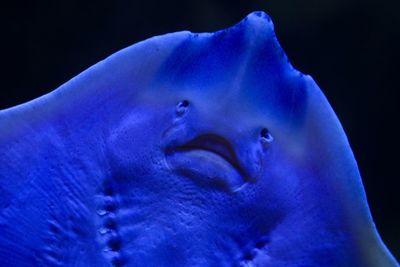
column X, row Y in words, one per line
column 350, row 48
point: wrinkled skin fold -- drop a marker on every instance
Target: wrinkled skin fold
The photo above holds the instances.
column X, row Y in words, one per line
column 184, row 150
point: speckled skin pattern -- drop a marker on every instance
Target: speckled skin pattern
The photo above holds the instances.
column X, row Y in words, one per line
column 184, row 150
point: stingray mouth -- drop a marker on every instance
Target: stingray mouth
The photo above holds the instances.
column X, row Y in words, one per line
column 215, row 144
column 210, row 159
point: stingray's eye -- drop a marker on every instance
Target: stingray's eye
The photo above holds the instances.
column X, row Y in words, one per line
column 182, row 107
column 266, row 137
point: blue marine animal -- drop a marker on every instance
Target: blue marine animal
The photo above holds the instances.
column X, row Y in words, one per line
column 184, row 150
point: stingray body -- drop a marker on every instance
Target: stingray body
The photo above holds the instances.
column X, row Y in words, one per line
column 184, row 150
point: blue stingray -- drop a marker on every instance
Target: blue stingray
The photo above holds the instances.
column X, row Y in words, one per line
column 184, row 150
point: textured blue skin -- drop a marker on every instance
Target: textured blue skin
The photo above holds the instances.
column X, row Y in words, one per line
column 92, row 174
